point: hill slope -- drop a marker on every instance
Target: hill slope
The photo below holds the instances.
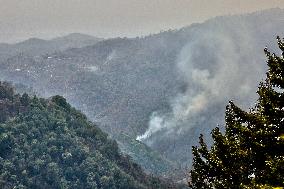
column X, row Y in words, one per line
column 49, row 144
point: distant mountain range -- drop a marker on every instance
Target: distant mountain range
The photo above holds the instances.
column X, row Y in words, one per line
column 165, row 88
column 35, row 46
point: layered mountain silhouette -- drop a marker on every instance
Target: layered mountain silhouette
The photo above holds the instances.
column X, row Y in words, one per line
column 35, row 46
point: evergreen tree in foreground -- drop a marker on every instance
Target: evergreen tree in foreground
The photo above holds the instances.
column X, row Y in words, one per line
column 250, row 154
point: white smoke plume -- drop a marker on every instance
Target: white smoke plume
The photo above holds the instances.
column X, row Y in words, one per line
column 216, row 69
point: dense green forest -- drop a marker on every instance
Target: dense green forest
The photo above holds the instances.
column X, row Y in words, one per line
column 45, row 143
column 250, row 153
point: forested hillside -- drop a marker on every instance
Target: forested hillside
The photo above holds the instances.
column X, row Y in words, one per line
column 46, row 143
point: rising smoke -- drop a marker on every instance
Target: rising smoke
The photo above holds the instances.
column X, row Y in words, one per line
column 217, row 66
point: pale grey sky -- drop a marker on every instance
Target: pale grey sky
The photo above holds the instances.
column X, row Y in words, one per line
column 22, row 19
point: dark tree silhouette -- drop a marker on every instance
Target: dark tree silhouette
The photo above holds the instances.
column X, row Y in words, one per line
column 250, row 153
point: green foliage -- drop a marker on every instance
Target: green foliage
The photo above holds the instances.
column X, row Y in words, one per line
column 250, row 154
column 49, row 144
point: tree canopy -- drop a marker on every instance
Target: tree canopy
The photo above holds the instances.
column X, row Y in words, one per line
column 45, row 143
column 250, row 153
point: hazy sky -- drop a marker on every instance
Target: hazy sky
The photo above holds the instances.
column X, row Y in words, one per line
column 21, row 19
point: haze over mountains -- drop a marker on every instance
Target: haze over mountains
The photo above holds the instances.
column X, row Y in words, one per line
column 163, row 89
column 35, row 46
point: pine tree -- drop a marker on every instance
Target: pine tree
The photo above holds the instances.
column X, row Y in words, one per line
column 250, row 153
